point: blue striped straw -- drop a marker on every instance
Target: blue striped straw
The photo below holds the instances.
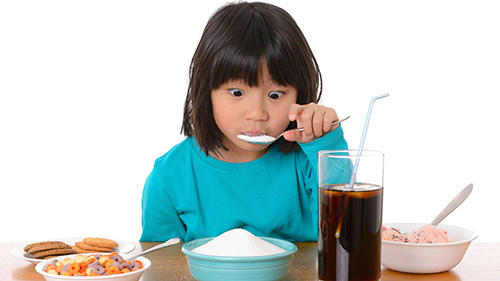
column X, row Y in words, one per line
column 363, row 137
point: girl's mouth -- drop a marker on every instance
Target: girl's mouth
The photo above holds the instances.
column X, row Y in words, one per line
column 253, row 133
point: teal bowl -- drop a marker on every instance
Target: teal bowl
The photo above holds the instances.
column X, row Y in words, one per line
column 211, row 268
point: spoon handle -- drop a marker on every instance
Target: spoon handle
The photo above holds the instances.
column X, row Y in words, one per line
column 453, row 204
column 170, row 242
column 336, row 122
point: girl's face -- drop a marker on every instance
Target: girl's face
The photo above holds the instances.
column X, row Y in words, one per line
column 241, row 109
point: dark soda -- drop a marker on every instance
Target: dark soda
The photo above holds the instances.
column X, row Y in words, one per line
column 350, row 227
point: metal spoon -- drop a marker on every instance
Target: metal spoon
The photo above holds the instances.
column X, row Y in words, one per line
column 453, row 204
column 265, row 139
column 170, row 242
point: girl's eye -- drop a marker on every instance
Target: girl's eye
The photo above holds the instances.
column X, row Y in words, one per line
column 275, row 95
column 236, row 92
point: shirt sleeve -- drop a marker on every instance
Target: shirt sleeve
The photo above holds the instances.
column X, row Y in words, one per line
column 332, row 140
column 160, row 219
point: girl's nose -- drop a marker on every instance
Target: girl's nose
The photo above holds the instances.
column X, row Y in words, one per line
column 256, row 110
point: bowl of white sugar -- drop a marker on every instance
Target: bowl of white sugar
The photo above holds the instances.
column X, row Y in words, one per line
column 239, row 255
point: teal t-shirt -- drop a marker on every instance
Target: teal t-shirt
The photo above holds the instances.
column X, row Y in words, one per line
column 190, row 195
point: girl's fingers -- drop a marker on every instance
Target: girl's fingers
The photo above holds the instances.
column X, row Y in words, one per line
column 330, row 117
column 293, row 135
column 306, row 119
column 315, row 119
column 294, row 111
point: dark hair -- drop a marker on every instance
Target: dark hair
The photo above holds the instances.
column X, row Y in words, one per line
column 236, row 39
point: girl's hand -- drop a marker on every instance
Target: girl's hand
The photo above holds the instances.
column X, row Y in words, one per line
column 315, row 119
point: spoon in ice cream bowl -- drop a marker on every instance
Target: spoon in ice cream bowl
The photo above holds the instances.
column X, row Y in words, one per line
column 265, row 139
column 453, row 204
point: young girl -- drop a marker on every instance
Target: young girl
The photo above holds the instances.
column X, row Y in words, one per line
column 252, row 73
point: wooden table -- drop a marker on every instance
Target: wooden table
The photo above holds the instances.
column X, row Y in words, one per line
column 481, row 262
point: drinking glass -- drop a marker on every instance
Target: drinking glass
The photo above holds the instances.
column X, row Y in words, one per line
column 350, row 197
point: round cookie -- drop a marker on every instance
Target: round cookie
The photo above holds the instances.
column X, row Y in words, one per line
column 51, row 246
column 87, row 247
column 100, row 242
column 54, row 252
column 29, row 246
column 80, row 250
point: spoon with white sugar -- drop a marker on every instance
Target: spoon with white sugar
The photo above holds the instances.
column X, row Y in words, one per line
column 265, row 139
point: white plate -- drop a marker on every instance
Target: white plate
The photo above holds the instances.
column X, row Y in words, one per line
column 18, row 252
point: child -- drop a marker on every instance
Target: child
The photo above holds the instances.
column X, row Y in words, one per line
column 252, row 73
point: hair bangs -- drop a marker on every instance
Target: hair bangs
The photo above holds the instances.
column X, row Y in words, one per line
column 255, row 40
column 234, row 63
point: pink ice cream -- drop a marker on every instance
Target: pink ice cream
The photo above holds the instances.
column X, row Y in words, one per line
column 427, row 234
column 393, row 234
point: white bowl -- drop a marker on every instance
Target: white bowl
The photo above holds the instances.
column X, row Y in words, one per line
column 426, row 258
column 131, row 276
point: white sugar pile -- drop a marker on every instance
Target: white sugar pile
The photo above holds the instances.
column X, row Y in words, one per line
column 261, row 138
column 238, row 243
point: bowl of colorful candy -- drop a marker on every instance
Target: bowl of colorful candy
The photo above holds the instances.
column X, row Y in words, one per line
column 245, row 257
column 93, row 267
column 422, row 248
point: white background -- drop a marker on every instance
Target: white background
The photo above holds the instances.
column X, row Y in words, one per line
column 92, row 92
